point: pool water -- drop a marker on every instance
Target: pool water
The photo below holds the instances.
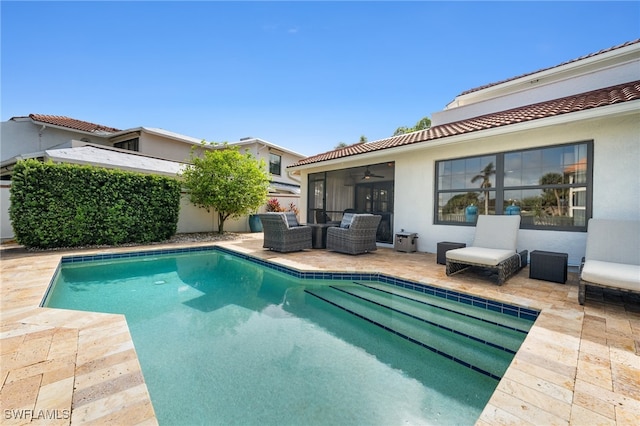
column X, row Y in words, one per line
column 223, row 340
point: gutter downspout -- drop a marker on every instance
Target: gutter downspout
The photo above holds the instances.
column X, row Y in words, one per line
column 42, row 129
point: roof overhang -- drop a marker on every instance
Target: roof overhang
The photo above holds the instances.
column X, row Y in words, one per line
column 250, row 141
column 620, row 109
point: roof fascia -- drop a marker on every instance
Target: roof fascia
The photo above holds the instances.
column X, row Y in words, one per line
column 13, row 160
column 621, row 109
column 125, row 132
column 175, row 136
column 558, row 73
column 268, row 144
column 105, row 135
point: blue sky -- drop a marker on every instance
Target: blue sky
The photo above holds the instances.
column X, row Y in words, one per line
column 302, row 75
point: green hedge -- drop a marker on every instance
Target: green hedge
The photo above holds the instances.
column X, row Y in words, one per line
column 65, row 205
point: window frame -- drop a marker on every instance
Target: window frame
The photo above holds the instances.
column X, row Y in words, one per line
column 132, row 144
column 275, row 166
column 500, row 189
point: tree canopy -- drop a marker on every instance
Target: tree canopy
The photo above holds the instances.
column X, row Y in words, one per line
column 230, row 182
column 423, row 123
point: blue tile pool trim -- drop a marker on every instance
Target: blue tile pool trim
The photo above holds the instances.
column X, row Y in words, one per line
column 507, row 309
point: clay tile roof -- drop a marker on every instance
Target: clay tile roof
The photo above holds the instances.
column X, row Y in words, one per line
column 629, row 43
column 597, row 98
column 72, row 123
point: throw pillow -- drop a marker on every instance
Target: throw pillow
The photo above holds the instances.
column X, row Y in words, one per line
column 292, row 220
column 346, row 220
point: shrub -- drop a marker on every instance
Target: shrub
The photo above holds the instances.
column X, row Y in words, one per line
column 65, row 205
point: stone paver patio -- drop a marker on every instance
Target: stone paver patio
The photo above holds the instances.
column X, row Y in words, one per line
column 579, row 365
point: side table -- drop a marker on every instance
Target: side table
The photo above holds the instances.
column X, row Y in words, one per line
column 548, row 266
column 319, row 234
column 443, row 248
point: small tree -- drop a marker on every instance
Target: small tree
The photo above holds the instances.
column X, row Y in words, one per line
column 232, row 183
column 423, row 123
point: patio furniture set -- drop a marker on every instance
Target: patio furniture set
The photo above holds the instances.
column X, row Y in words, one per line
column 612, row 258
column 355, row 234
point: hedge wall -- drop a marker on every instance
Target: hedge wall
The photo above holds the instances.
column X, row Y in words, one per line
column 65, row 205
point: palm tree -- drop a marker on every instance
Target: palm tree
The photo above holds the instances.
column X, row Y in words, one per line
column 553, row 179
column 485, row 176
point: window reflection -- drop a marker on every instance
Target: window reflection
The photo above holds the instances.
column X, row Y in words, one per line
column 548, row 185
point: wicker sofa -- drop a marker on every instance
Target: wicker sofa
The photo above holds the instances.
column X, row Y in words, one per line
column 612, row 257
column 283, row 233
column 355, row 235
column 493, row 247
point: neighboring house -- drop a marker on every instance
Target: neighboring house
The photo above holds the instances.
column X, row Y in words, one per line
column 142, row 149
column 559, row 145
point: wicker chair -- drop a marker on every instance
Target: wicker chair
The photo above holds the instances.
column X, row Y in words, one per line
column 356, row 237
column 494, row 247
column 284, row 235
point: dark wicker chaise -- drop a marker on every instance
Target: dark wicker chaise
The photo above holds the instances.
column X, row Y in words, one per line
column 494, row 247
column 355, row 235
column 612, row 257
column 283, row 233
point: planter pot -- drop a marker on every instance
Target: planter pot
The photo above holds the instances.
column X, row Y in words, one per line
column 471, row 213
column 255, row 225
column 512, row 210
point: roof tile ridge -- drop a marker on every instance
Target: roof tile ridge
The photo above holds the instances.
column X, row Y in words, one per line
column 588, row 55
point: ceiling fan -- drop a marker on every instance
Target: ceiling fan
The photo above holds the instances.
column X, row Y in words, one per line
column 369, row 175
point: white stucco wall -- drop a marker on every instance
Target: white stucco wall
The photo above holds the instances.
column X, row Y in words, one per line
column 195, row 219
column 162, row 147
column 551, row 84
column 616, row 181
column 6, row 231
column 25, row 137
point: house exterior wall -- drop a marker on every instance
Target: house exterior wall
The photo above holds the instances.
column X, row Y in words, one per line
column 616, row 182
column 6, row 230
column 262, row 151
column 162, row 147
column 597, row 72
column 22, row 136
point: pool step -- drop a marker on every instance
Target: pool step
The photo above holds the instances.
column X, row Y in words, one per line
column 468, row 309
column 431, row 330
column 479, row 324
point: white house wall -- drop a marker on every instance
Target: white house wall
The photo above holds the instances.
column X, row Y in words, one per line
column 162, row 147
column 616, row 182
column 20, row 137
column 6, row 230
column 540, row 87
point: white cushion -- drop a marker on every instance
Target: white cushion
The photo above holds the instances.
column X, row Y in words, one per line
column 497, row 232
column 615, row 241
column 481, row 255
column 618, row 275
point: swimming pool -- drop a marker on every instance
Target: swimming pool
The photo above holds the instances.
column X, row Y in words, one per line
column 225, row 338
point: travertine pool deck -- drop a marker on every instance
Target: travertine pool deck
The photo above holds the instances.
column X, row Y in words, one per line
column 579, row 365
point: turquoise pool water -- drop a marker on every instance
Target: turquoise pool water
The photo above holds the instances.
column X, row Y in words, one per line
column 227, row 340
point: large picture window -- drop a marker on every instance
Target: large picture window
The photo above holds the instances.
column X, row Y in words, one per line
column 549, row 187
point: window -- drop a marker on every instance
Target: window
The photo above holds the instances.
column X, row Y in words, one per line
column 549, row 187
column 130, row 144
column 275, row 161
